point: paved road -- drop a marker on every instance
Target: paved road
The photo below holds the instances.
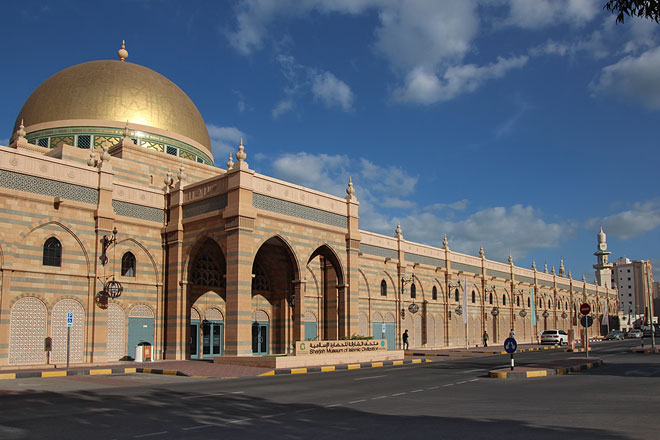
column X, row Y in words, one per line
column 449, row 398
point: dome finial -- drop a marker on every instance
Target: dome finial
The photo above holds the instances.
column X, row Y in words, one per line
column 122, row 53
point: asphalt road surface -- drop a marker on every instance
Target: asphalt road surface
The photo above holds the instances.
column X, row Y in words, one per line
column 450, row 398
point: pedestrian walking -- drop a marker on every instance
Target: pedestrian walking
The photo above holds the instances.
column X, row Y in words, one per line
column 512, row 334
column 485, row 338
column 404, row 337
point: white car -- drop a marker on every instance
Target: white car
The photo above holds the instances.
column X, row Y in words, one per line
column 634, row 334
column 556, row 337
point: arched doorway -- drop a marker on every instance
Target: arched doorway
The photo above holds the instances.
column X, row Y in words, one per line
column 276, row 291
column 207, row 294
column 334, row 322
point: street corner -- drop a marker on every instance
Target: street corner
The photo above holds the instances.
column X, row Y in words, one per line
column 533, row 371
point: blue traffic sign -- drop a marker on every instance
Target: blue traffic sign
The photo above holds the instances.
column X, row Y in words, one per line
column 510, row 345
column 69, row 319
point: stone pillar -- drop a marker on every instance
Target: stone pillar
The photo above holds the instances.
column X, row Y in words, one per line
column 349, row 298
column 239, row 218
column 299, row 310
column 176, row 312
column 104, row 216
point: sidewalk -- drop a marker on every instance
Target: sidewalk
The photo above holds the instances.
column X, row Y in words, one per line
column 484, row 351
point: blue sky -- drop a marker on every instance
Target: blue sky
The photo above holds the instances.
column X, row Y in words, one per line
column 517, row 125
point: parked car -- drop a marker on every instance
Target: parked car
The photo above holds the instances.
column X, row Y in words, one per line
column 634, row 334
column 557, row 337
column 614, row 335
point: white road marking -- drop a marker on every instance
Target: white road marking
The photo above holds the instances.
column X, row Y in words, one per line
column 473, row 380
column 271, row 415
column 461, row 382
column 474, row 371
column 417, row 391
column 398, row 394
column 434, row 388
column 305, row 410
column 149, row 435
column 203, row 395
column 239, row 420
column 197, row 427
column 237, row 392
column 448, row 385
column 370, row 377
column 379, row 397
column 332, row 406
column 357, row 401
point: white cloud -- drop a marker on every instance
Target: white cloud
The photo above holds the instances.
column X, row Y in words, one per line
column 500, row 230
column 282, row 107
column 426, row 87
column 332, row 91
column 640, row 219
column 632, row 78
column 224, row 140
column 460, row 205
column 543, row 13
column 424, row 40
column 322, row 172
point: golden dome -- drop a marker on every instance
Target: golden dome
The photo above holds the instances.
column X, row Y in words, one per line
column 115, row 91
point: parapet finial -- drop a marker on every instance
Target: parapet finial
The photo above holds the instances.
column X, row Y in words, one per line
column 230, row 163
column 350, row 190
column 445, row 242
column 241, row 155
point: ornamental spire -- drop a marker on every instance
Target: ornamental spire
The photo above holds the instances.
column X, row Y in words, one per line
column 445, row 242
column 241, row 155
column 350, row 190
column 122, row 53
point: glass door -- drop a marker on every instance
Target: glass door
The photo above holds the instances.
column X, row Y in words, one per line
column 211, row 338
column 260, row 338
column 194, row 339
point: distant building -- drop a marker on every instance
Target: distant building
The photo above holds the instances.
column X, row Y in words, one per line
column 633, row 280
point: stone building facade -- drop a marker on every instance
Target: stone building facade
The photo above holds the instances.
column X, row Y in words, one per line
column 215, row 261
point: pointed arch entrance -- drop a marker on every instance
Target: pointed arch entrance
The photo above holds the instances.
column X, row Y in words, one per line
column 206, row 299
column 277, row 295
column 333, row 320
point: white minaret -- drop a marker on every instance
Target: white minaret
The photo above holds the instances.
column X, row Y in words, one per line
column 603, row 267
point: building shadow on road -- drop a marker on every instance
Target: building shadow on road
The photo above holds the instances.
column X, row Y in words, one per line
column 171, row 415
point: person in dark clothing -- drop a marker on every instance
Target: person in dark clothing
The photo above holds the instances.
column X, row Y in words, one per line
column 404, row 337
column 485, row 338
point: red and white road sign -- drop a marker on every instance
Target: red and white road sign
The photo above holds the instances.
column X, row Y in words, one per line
column 585, row 309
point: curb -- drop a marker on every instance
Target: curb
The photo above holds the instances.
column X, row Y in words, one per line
column 86, row 372
column 543, row 372
column 329, row 368
column 638, row 350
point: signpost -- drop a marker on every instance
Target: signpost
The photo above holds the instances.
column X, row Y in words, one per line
column 586, row 322
column 510, row 346
column 69, row 324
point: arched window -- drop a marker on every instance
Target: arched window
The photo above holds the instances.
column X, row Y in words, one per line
column 128, row 265
column 503, row 300
column 383, row 288
column 456, row 294
column 413, row 291
column 52, row 252
column 434, row 293
column 474, row 297
column 518, row 301
column 490, row 298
